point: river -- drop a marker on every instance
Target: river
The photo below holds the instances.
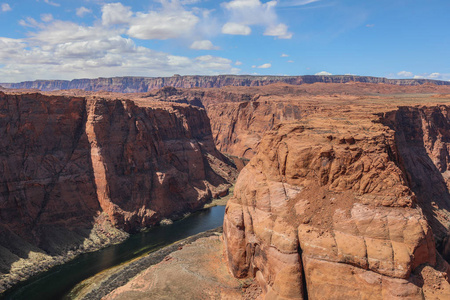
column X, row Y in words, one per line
column 58, row 281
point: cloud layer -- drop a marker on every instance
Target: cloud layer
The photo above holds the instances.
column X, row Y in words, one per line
column 246, row 13
column 56, row 49
column 5, row 7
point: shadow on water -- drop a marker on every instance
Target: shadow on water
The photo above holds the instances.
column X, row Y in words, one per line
column 58, row 281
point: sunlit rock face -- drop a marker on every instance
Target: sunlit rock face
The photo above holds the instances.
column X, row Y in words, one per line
column 346, row 204
column 78, row 173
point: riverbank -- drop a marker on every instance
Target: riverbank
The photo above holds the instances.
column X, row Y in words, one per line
column 202, row 251
column 221, row 201
column 59, row 281
column 195, row 270
column 22, row 261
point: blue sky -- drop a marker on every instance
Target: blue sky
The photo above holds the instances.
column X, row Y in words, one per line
column 61, row 39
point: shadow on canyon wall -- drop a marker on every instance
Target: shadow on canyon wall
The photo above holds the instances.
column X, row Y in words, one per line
column 421, row 138
column 48, row 199
column 72, row 171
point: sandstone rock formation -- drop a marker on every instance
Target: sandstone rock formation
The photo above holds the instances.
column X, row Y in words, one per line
column 146, row 84
column 240, row 115
column 77, row 171
column 346, row 204
column 345, row 196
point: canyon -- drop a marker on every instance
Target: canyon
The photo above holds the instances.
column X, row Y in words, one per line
column 342, row 191
column 79, row 174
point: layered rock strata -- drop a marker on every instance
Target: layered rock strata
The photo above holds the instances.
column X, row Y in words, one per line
column 145, row 84
column 345, row 205
column 76, row 173
column 240, row 115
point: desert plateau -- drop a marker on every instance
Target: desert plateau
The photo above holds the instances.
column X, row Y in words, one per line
column 349, row 177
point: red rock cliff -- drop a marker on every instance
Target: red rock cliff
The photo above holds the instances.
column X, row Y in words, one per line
column 343, row 204
column 73, row 170
column 150, row 163
column 145, row 84
column 240, row 115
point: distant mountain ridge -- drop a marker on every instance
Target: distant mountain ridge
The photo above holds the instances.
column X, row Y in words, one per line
column 145, row 84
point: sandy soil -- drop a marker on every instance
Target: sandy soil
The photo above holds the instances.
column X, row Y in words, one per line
column 197, row 271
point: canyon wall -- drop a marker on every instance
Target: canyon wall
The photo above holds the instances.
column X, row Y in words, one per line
column 78, row 173
column 345, row 204
column 241, row 115
column 146, row 84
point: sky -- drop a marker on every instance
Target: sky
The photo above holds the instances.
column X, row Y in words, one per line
column 62, row 39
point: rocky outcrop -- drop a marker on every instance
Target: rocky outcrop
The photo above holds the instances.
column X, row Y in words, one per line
column 76, row 173
column 344, row 205
column 240, row 115
column 146, row 84
column 238, row 127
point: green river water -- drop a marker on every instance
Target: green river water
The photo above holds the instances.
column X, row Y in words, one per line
column 58, row 281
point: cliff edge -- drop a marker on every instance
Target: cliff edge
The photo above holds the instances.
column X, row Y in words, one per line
column 78, row 173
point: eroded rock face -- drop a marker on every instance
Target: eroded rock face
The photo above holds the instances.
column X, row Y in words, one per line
column 423, row 136
column 151, row 163
column 238, row 127
column 76, row 173
column 336, row 208
column 241, row 115
column 145, row 84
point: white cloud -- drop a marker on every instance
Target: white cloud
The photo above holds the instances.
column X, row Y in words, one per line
column 434, row 76
column 405, row 74
column 284, row 55
column 52, row 3
column 187, row 2
column 290, row 61
column 238, row 63
column 66, row 50
column 11, row 49
column 171, row 22
column 5, row 7
column 298, row 2
column 82, row 11
column 437, row 76
column 115, row 13
column 29, row 22
column 47, row 17
column 235, row 28
column 214, row 62
column 60, row 32
column 56, row 49
column 280, row 31
column 323, row 73
column 264, row 66
column 253, row 12
column 203, row 45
